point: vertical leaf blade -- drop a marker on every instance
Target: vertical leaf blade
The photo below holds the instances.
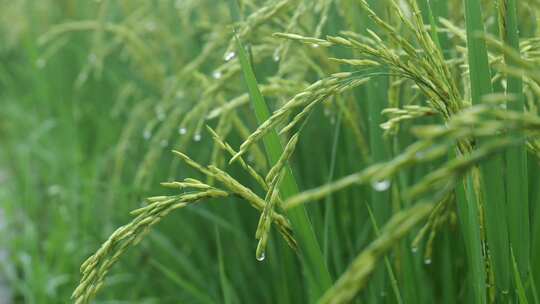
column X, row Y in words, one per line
column 493, row 196
column 311, row 255
column 516, row 158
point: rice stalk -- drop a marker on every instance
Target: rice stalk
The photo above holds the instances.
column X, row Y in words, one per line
column 516, row 159
column 493, row 194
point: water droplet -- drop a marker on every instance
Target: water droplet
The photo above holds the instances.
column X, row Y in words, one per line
column 92, row 58
column 164, row 143
column 160, row 114
column 151, row 26
column 182, row 131
column 54, row 190
column 276, row 57
column 197, row 137
column 414, row 249
column 427, row 261
column 505, row 292
column 229, row 56
column 217, row 74
column 260, row 257
column 381, row 186
column 315, row 45
column 147, row 134
column 41, row 63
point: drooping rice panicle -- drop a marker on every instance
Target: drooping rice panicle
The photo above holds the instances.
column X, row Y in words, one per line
column 315, row 269
column 96, row 267
column 225, row 146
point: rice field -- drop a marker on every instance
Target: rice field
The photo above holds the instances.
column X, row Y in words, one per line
column 269, row 151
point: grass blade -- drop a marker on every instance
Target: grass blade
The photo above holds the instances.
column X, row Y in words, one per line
column 469, row 216
column 196, row 293
column 493, row 196
column 516, row 158
column 377, row 99
column 355, row 277
column 226, row 289
column 310, row 251
column 393, row 281
column 520, row 290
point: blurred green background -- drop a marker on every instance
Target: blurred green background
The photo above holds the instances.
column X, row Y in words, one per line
column 95, row 94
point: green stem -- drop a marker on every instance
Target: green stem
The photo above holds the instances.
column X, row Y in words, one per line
column 516, row 158
column 469, row 216
column 377, row 100
column 492, row 188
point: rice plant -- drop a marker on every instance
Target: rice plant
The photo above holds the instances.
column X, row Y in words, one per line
column 270, row 151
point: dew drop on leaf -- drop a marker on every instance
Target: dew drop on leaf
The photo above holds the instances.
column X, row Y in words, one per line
column 229, row 56
column 260, row 257
column 381, row 186
column 217, row 74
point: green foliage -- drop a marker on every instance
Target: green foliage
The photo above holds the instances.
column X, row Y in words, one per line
column 286, row 118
